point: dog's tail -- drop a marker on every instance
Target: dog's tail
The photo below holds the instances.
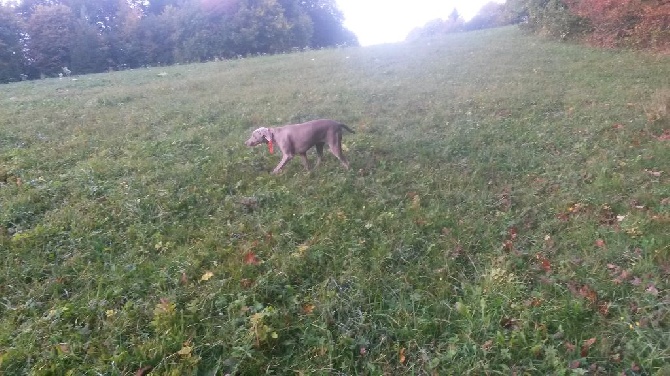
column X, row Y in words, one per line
column 347, row 128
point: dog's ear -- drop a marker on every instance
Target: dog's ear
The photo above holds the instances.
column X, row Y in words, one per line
column 265, row 132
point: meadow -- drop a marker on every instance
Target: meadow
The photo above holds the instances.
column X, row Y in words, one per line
column 507, row 213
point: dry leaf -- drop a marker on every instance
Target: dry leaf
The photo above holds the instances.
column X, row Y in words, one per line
column 513, row 233
column 250, row 258
column 654, row 173
column 586, row 346
column 589, row 294
column 509, row 323
column 185, row 351
column 401, row 355
column 665, row 136
column 302, row 248
column 600, row 243
column 207, row 276
column 183, row 279
column 144, row 371
column 487, row 345
column 604, row 308
column 308, row 309
column 652, row 289
column 569, row 346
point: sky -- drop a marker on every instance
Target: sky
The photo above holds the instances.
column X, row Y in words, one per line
column 388, row 21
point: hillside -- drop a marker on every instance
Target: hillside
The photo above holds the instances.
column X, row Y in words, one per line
column 507, row 212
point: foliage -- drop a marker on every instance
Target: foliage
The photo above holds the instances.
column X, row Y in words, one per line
column 638, row 24
column 492, row 14
column 11, row 42
column 98, row 35
column 327, row 24
column 499, row 218
column 454, row 23
column 629, row 23
column 547, row 17
column 51, row 31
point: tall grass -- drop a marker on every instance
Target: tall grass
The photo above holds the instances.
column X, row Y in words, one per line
column 507, row 211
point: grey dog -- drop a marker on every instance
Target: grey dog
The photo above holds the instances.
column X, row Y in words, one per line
column 296, row 139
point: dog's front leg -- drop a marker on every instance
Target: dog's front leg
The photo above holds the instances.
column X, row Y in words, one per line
column 284, row 160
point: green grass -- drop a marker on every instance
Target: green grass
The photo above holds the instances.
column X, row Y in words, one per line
column 507, row 211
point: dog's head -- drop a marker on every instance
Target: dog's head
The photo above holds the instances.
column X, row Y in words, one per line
column 259, row 136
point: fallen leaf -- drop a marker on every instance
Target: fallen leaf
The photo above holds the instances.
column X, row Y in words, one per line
column 654, row 173
column 512, row 231
column 302, row 248
column 207, row 276
column 544, row 262
column 509, row 323
column 600, row 243
column 416, row 202
column 308, row 309
column 63, row 348
column 144, row 371
column 652, row 289
column 250, row 258
column 546, row 266
column 363, row 351
column 569, row 346
column 185, row 351
column 183, row 279
column 604, row 308
column 165, row 306
column 487, row 345
column 588, row 293
column 401, row 355
column 617, row 126
column 636, row 281
column 508, row 245
column 575, row 364
column 665, row 136
column 586, row 346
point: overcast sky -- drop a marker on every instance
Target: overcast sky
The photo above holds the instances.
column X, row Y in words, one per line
column 385, row 21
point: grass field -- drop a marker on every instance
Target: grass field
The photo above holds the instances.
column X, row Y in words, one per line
column 507, row 212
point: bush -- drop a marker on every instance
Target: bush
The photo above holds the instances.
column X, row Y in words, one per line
column 626, row 23
column 547, row 17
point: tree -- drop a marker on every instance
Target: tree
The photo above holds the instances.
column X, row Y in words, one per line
column 11, row 46
column 88, row 52
column 259, row 26
column 327, row 22
column 629, row 23
column 454, row 23
column 547, row 17
column 491, row 15
column 51, row 32
column 301, row 25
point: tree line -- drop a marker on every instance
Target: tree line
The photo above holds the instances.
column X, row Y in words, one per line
column 639, row 24
column 42, row 38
